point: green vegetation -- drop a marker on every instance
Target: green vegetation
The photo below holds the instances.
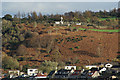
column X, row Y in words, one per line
column 10, row 63
column 71, row 48
column 101, row 30
column 111, row 18
column 21, row 39
column 48, row 66
column 116, row 30
column 118, row 57
column 77, row 47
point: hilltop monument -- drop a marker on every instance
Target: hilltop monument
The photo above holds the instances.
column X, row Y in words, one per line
column 61, row 20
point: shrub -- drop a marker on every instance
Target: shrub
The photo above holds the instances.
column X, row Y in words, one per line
column 84, row 36
column 47, row 56
column 10, row 63
column 21, row 59
column 48, row 66
column 28, row 35
column 56, row 40
column 22, row 50
column 59, row 42
column 77, row 47
column 21, row 38
column 35, row 24
column 30, row 58
column 25, row 67
column 118, row 52
column 91, row 40
column 118, row 56
column 71, row 48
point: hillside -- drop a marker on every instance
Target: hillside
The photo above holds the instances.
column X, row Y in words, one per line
column 72, row 47
column 46, row 42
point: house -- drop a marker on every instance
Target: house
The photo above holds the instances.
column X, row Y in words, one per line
column 22, row 73
column 14, row 73
column 108, row 65
column 75, row 74
column 79, row 24
column 91, row 66
column 40, row 75
column 116, row 68
column 51, row 74
column 63, row 73
column 102, row 70
column 70, row 67
column 57, row 22
column 32, row 72
column 93, row 74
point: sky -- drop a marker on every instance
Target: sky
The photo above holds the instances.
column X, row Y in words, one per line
column 54, row 7
column 60, row 0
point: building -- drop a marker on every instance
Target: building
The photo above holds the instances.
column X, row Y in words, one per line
column 108, row 65
column 102, row 70
column 90, row 66
column 32, row 72
column 40, row 75
column 75, row 74
column 52, row 74
column 93, row 74
column 59, row 22
column 63, row 73
column 79, row 24
column 70, row 67
column 14, row 73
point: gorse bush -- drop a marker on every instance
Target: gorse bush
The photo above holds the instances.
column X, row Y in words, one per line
column 71, row 48
column 77, row 47
column 48, row 66
column 10, row 63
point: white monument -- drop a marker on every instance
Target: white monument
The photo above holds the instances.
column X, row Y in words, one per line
column 61, row 20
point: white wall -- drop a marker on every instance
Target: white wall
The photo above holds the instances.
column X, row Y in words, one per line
column 90, row 66
column 70, row 67
column 31, row 72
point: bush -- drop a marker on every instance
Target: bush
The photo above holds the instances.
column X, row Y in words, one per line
column 35, row 24
column 22, row 50
column 28, row 35
column 71, row 48
column 77, row 47
column 21, row 59
column 10, row 63
column 47, row 56
column 118, row 52
column 25, row 67
column 56, row 40
column 48, row 66
column 118, row 56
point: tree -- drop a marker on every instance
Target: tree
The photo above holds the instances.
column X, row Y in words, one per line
column 10, row 63
column 94, row 19
column 22, row 50
column 55, row 54
column 40, row 17
column 18, row 16
column 21, row 38
column 8, row 17
column 34, row 24
column 34, row 16
column 87, row 14
column 48, row 66
column 29, row 17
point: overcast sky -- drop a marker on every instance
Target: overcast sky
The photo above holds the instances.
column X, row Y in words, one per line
column 60, row 0
column 54, row 7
